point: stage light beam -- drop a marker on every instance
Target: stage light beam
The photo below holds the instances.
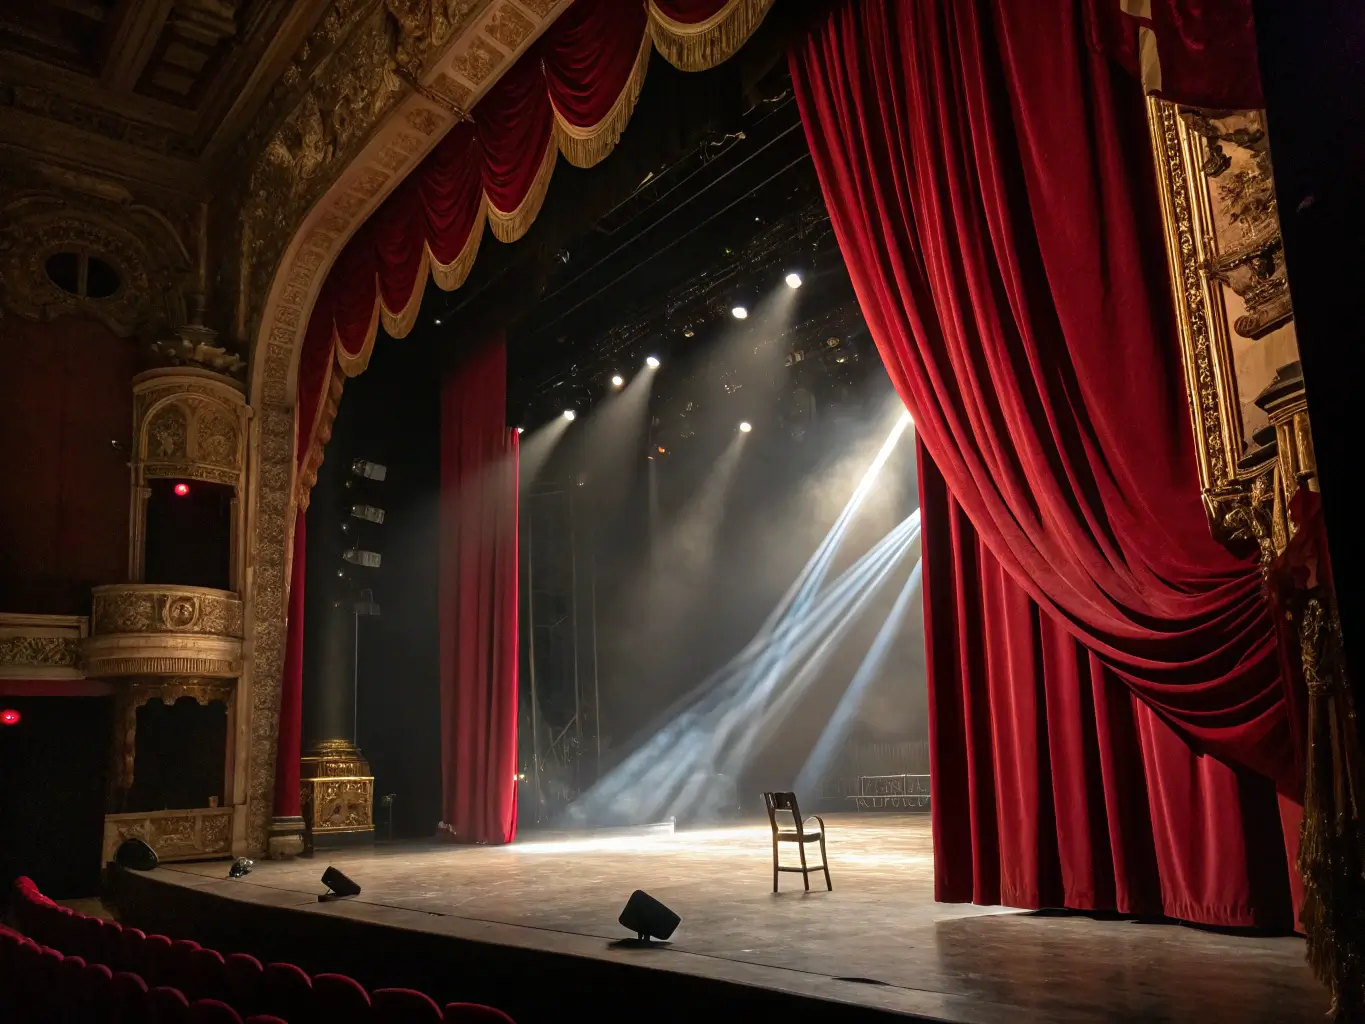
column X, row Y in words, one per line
column 793, row 280
column 739, row 312
column 652, row 362
column 745, row 427
column 617, row 380
column 570, row 415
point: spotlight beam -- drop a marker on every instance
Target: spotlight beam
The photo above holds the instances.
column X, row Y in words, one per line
column 832, row 737
column 647, row 780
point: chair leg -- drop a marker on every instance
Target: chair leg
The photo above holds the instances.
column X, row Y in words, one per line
column 774, row 863
column 805, row 872
column 824, row 861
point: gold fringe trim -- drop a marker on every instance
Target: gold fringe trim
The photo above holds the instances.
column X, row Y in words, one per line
column 509, row 226
column 321, row 432
column 702, row 46
column 354, row 365
column 449, row 276
column 586, row 147
column 399, row 322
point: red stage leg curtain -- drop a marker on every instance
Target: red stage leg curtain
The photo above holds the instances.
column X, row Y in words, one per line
column 478, row 601
column 1054, row 786
column 989, row 179
column 291, row 688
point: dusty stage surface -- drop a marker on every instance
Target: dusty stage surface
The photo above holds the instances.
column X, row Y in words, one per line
column 878, row 939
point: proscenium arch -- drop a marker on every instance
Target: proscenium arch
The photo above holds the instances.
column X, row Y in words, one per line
column 453, row 80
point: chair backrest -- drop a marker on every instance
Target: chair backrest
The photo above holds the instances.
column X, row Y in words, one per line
column 167, row 1005
column 128, row 996
column 339, row 997
column 782, row 803
column 208, row 974
column 404, row 1006
column 286, row 991
column 213, row 1011
column 474, row 1013
column 244, row 973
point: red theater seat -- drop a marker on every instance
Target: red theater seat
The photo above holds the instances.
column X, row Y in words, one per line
column 475, row 1013
column 338, row 997
column 404, row 1006
column 243, row 973
column 127, row 998
column 208, row 975
column 286, row 991
column 167, row 1005
column 213, row 1011
column 156, row 959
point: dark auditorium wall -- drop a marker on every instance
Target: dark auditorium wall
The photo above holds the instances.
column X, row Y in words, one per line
column 65, row 395
column 53, row 770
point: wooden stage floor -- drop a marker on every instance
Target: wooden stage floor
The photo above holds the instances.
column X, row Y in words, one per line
column 877, row 940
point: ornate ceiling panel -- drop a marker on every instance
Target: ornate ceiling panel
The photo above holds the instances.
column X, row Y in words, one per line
column 150, row 93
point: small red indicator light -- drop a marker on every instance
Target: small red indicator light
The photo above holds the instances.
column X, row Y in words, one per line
column 10, row 717
column 181, row 490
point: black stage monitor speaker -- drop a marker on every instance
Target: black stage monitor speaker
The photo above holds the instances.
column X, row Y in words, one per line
column 338, row 885
column 647, row 917
column 135, row 854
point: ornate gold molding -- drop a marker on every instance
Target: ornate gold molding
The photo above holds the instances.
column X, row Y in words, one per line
column 141, row 629
column 41, row 646
column 139, row 245
column 161, row 608
column 1245, row 481
column 336, row 792
column 195, row 834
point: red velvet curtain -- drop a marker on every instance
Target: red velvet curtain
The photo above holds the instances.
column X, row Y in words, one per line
column 1054, row 785
column 1205, row 49
column 989, row 179
column 291, row 687
column 478, row 601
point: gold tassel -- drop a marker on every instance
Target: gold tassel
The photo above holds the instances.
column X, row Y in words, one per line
column 1330, row 858
column 587, row 147
column 511, row 225
column 702, row 46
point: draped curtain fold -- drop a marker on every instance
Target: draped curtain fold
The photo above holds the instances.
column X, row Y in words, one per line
column 1201, row 52
column 478, row 601
column 1054, row 784
column 989, row 179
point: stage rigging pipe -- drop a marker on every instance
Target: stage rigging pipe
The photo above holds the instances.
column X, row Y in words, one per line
column 531, row 647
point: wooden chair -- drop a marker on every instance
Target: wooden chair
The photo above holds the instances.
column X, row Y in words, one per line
column 799, row 834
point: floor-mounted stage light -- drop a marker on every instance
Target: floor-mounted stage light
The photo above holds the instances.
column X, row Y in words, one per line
column 739, row 312
column 617, row 380
column 241, row 867
column 793, row 280
column 338, row 886
column 647, row 917
column 652, row 362
column 570, row 415
column 745, row 427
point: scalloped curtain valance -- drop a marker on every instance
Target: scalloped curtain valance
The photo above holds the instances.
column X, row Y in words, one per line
column 573, row 92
